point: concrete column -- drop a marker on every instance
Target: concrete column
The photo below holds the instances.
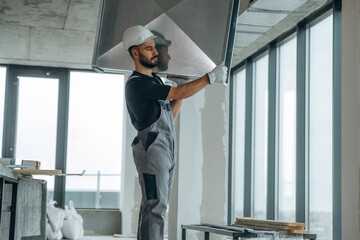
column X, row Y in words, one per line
column 350, row 119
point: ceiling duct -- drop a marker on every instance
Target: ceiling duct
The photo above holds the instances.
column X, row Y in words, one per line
column 200, row 32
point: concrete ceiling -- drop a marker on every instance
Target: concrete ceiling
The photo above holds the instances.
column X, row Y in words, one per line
column 57, row 33
column 61, row 33
column 265, row 20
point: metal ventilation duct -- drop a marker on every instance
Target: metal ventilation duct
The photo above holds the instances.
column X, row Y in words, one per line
column 201, row 33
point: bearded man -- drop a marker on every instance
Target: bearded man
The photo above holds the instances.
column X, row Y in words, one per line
column 153, row 107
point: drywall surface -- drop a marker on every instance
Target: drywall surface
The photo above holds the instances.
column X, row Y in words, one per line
column 202, row 163
column 350, row 118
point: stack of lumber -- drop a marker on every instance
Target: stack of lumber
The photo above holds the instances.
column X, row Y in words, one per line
column 271, row 225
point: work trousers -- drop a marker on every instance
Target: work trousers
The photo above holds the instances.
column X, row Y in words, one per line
column 154, row 157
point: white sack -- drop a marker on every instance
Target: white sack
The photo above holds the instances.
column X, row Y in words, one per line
column 55, row 216
column 72, row 229
column 73, row 225
column 51, row 235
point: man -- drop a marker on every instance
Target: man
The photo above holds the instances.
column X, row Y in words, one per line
column 153, row 107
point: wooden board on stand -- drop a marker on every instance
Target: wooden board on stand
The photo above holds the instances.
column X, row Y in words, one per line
column 29, row 172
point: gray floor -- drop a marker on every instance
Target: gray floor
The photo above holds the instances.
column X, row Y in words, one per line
column 107, row 238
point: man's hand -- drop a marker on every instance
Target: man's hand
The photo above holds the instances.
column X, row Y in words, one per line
column 218, row 74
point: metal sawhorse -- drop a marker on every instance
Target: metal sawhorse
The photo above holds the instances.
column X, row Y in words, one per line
column 233, row 232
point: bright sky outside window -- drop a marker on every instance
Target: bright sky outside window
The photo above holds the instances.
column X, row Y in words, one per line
column 95, row 139
column 287, row 130
column 320, row 128
column 239, row 142
column 36, row 123
column 260, row 111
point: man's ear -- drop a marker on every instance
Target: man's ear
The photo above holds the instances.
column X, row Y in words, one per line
column 134, row 52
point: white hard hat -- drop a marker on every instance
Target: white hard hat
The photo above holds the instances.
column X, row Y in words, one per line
column 136, row 35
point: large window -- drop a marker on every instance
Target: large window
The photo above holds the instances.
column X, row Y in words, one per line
column 287, row 130
column 239, row 141
column 301, row 124
column 70, row 122
column 320, row 128
column 95, row 139
column 260, row 130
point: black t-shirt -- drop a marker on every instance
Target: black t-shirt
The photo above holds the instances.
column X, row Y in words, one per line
column 142, row 94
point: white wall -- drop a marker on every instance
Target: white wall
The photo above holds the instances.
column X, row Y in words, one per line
column 350, row 119
column 203, row 159
column 130, row 196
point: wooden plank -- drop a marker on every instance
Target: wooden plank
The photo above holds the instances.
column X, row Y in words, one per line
column 300, row 231
column 36, row 172
column 258, row 227
column 264, row 228
column 269, row 222
column 272, row 226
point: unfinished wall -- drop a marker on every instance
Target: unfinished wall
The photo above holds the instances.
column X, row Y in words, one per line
column 350, row 119
column 202, row 163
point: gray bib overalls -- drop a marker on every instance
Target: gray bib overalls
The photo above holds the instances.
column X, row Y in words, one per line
column 154, row 157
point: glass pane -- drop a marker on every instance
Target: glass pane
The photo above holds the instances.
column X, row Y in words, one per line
column 95, row 139
column 287, row 130
column 2, row 98
column 260, row 111
column 239, row 142
column 36, row 123
column 320, row 129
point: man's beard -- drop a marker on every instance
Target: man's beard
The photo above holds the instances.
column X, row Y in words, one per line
column 147, row 62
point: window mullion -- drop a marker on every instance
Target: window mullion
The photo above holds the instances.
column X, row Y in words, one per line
column 10, row 113
column 336, row 221
column 248, row 206
column 61, row 138
column 271, row 171
column 301, row 199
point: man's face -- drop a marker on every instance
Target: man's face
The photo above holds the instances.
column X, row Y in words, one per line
column 148, row 56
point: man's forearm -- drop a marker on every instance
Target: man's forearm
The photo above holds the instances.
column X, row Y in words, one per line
column 188, row 89
column 176, row 106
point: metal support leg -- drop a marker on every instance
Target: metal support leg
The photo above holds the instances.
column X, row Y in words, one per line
column 207, row 236
column 2, row 183
column 183, row 234
column 13, row 210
